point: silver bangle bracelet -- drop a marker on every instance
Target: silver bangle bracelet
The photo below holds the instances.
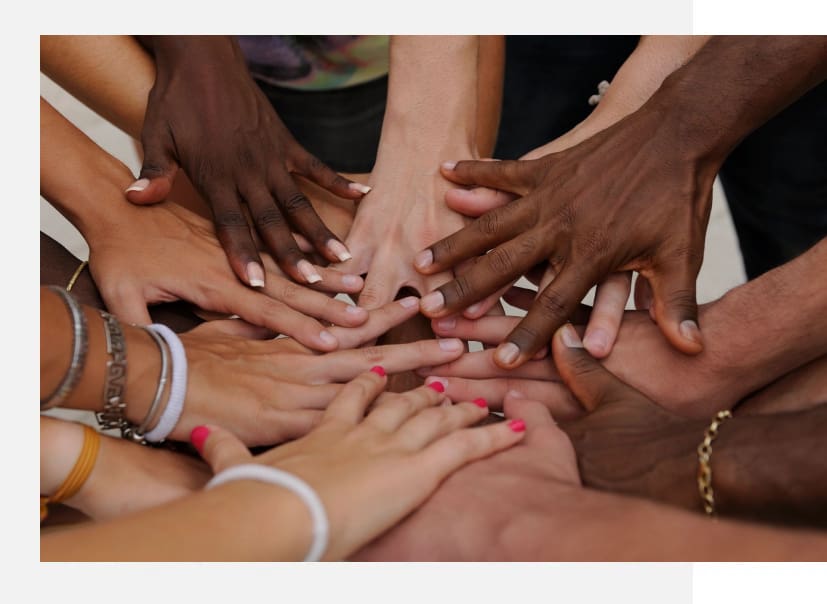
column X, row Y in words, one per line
column 80, row 345
column 114, row 407
column 137, row 434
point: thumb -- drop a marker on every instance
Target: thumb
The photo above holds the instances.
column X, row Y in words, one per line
column 512, row 176
column 676, row 308
column 127, row 303
column 592, row 384
column 157, row 172
column 220, row 448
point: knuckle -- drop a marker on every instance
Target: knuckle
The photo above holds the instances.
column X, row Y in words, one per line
column 462, row 288
column 295, row 203
column 271, row 217
column 489, row 224
column 501, row 261
column 230, row 219
column 592, row 244
column 552, row 305
column 372, row 354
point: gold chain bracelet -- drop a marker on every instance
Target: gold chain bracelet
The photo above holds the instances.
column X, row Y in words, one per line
column 704, row 465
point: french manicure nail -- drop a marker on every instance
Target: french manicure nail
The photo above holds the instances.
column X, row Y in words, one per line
column 327, row 338
column 308, row 272
column 449, row 165
column 339, row 250
column 507, row 353
column 432, row 302
column 450, row 344
column 352, row 281
column 437, row 387
column 481, row 403
column 378, row 370
column 424, row 259
column 357, row 186
column 255, row 274
column 138, row 185
column 517, row 425
column 447, row 323
column 198, row 436
column 689, row 330
column 409, row 302
column 570, row 337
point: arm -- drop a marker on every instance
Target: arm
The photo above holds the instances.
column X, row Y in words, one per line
column 581, row 211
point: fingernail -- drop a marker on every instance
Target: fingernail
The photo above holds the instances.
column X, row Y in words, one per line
column 255, row 274
column 409, row 302
column 339, row 250
column 352, row 281
column 517, row 425
column 357, row 186
column 435, row 380
column 424, row 259
column 595, row 340
column 689, row 330
column 308, row 272
column 570, row 337
column 432, row 302
column 447, row 323
column 355, row 311
column 449, row 165
column 198, row 436
column 378, row 370
column 507, row 353
column 473, row 309
column 437, row 387
column 327, row 338
column 450, row 344
column 514, row 394
column 138, row 185
column 481, row 402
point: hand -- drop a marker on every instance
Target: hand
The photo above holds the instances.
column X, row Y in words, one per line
column 206, row 114
column 370, row 471
column 163, row 253
column 627, row 198
column 482, row 511
column 269, row 391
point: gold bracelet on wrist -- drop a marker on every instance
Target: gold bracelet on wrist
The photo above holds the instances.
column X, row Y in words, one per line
column 76, row 274
column 704, row 462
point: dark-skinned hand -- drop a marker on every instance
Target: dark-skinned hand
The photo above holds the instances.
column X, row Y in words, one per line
column 632, row 197
column 206, row 115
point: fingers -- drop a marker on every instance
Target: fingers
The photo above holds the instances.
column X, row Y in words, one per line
column 220, row 448
column 233, row 233
column 350, row 404
column 431, row 424
column 607, row 314
column 553, row 307
column 676, row 307
column 593, row 385
column 392, row 413
column 234, row 328
column 475, row 202
column 500, row 267
column 158, row 169
column 395, row 358
column 379, row 321
column 488, row 330
column 127, row 303
column 313, row 303
column 380, row 287
column 314, row 169
column 513, row 176
column 487, row 231
column 482, row 364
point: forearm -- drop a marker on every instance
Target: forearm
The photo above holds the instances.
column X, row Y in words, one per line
column 490, row 79
column 111, row 75
column 242, row 520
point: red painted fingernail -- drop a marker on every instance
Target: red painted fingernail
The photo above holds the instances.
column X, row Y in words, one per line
column 437, row 386
column 378, row 370
column 517, row 425
column 198, row 436
column 481, row 402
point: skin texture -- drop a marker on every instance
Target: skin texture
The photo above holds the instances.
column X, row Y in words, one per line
column 634, row 196
column 369, row 471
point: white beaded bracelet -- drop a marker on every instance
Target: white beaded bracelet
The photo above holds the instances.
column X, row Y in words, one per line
column 178, row 386
column 305, row 492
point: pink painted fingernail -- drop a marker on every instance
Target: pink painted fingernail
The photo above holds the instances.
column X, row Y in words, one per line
column 481, row 402
column 138, row 185
column 433, row 302
column 308, row 271
column 198, row 436
column 357, row 186
column 517, row 425
column 339, row 250
column 449, row 165
column 424, row 259
column 255, row 274
column 434, row 380
column 437, row 387
column 378, row 370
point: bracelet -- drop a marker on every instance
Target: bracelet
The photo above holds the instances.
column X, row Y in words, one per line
column 178, row 387
column 79, row 348
column 114, row 407
column 292, row 483
column 138, row 434
column 704, row 465
column 79, row 473
column 76, row 274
